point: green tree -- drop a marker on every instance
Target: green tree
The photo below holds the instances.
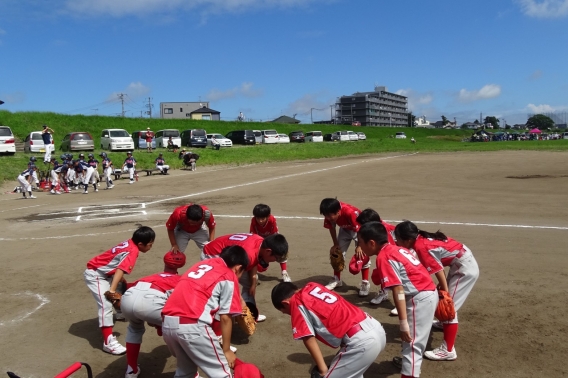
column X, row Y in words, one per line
column 540, row 121
column 493, row 121
column 444, row 120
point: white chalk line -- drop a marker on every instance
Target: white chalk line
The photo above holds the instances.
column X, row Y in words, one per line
column 276, row 178
column 42, row 299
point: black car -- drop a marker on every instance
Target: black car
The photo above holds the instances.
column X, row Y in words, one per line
column 194, row 138
column 241, row 137
column 327, row 138
column 297, row 136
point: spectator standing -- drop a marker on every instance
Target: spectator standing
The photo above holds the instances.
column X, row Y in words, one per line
column 149, row 138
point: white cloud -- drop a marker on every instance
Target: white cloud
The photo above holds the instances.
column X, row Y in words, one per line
column 245, row 90
column 544, row 8
column 133, row 90
column 488, row 91
column 302, row 107
column 544, row 108
column 146, row 7
column 416, row 99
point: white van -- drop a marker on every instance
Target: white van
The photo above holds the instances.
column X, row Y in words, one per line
column 161, row 137
column 270, row 136
column 7, row 140
column 116, row 139
column 314, row 136
column 257, row 136
column 342, row 136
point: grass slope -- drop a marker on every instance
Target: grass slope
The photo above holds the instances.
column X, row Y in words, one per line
column 379, row 139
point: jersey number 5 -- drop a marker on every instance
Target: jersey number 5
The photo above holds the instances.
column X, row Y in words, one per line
column 200, row 272
column 326, row 297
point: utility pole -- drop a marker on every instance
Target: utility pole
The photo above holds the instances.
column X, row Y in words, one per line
column 96, row 111
column 149, row 106
column 330, row 113
column 311, row 115
column 121, row 97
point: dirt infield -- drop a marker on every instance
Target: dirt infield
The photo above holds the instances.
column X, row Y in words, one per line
column 512, row 325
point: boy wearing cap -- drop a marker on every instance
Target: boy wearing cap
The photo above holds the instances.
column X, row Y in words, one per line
column 47, row 137
column 129, row 166
column 149, row 137
column 319, row 314
column 161, row 164
column 143, row 302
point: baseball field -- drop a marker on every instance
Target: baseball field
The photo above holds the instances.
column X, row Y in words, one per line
column 509, row 207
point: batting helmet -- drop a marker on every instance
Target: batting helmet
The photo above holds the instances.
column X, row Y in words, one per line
column 81, row 156
column 63, row 157
column 129, row 153
column 91, row 156
column 174, row 260
column 103, row 154
column 33, row 158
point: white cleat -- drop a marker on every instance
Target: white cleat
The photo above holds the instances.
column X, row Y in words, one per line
column 441, row 354
column 32, row 196
column 335, row 282
column 261, row 318
column 364, row 288
column 380, row 297
column 286, row 277
column 133, row 375
column 233, row 348
column 437, row 324
column 112, row 346
column 394, row 312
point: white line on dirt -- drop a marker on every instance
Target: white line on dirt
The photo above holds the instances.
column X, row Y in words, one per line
column 43, row 301
column 19, row 208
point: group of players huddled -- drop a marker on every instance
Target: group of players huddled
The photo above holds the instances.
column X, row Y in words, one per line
column 194, row 311
column 68, row 174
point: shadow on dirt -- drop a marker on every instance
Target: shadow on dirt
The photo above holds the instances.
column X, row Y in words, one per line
column 151, row 364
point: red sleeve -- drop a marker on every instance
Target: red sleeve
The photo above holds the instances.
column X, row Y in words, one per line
column 127, row 265
column 388, row 275
column 327, row 224
column 211, row 222
column 431, row 264
column 274, row 225
column 252, row 226
column 300, row 327
column 173, row 219
column 353, row 219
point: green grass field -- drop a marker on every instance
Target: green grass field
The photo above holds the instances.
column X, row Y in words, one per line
column 379, row 139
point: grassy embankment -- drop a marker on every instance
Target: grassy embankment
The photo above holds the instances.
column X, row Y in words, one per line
column 379, row 139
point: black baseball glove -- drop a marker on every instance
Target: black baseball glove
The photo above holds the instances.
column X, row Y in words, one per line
column 315, row 373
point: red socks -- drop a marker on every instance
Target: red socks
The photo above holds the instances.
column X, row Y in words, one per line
column 337, row 274
column 405, row 376
column 365, row 274
column 283, row 266
column 107, row 331
column 132, row 352
column 450, row 333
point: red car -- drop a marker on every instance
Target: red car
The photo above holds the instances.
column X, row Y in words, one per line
column 355, row 123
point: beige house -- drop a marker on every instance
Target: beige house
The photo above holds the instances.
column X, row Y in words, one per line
column 206, row 114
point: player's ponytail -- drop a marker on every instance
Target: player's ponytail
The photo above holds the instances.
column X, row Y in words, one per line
column 408, row 231
column 438, row 235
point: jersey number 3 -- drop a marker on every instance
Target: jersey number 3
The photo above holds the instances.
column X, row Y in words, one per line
column 326, row 297
column 202, row 269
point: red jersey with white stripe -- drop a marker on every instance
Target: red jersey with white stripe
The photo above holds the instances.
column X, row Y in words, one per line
column 122, row 257
column 316, row 311
column 179, row 217
column 398, row 266
column 251, row 244
column 164, row 281
column 436, row 254
column 268, row 229
column 390, row 232
column 347, row 219
column 207, row 288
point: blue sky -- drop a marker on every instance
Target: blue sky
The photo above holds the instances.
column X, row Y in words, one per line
column 271, row 57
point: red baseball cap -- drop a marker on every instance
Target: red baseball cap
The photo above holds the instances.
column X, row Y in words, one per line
column 246, row 370
column 355, row 264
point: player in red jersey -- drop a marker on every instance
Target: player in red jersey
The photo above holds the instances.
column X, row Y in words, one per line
column 264, row 224
column 261, row 251
column 435, row 251
column 414, row 293
column 106, row 270
column 206, row 290
column 143, row 302
column 318, row 313
column 190, row 222
column 370, row 215
column 345, row 216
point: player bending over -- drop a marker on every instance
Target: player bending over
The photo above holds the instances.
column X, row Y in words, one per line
column 106, row 270
column 264, row 224
column 319, row 314
column 190, row 222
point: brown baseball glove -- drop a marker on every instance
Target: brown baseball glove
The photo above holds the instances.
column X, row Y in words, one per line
column 337, row 261
column 445, row 310
column 246, row 321
column 114, row 298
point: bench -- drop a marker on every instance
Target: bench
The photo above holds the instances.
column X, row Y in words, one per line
column 118, row 173
column 150, row 171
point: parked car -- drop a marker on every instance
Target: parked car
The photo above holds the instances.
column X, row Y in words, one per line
column 7, row 140
column 314, row 136
column 283, row 138
column 297, row 136
column 77, row 141
column 241, row 137
column 34, row 142
column 116, row 139
column 341, row 136
column 269, row 136
column 353, row 135
column 564, row 136
column 193, row 138
column 362, row 136
column 328, row 137
column 400, row 135
column 224, row 142
column 355, row 123
column 161, row 137
column 139, row 138
column 257, row 136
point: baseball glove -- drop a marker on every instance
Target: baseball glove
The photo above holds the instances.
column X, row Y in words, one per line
column 114, row 298
column 246, row 322
column 122, row 286
column 337, row 261
column 445, row 310
column 314, row 373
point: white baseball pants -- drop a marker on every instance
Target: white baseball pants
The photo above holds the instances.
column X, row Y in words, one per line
column 98, row 285
column 142, row 304
column 200, row 237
